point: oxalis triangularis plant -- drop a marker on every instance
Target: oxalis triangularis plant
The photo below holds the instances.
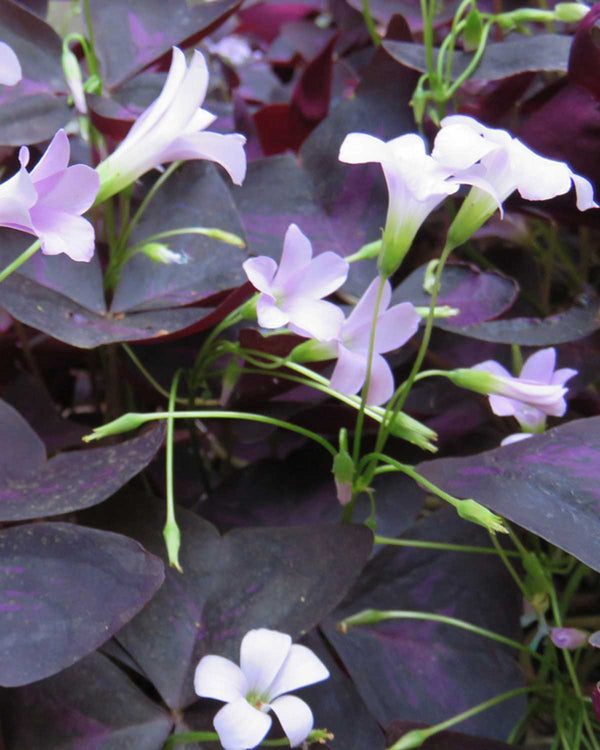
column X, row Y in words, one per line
column 96, row 635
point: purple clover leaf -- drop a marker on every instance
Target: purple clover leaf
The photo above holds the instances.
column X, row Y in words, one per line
column 393, row 329
column 291, row 294
column 537, row 392
column 48, row 201
column 172, row 129
column 270, row 665
column 10, row 67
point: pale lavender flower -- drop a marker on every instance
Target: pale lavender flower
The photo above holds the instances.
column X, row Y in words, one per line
column 496, row 164
column 172, row 129
column 417, row 184
column 269, row 667
column 393, row 329
column 291, row 294
column 570, row 638
column 48, row 201
column 537, row 392
column 10, row 67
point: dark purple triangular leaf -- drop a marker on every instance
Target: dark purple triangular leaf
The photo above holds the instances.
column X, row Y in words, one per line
column 130, row 36
column 422, row 670
column 20, row 448
column 70, row 481
column 195, row 196
column 64, row 591
column 479, row 295
column 249, row 578
column 541, row 52
column 89, row 705
column 547, row 484
column 30, row 112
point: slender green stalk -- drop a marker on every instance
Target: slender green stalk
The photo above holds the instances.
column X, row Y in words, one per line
column 438, row 545
column 17, row 262
column 373, row 616
column 370, row 24
column 171, row 532
column 91, row 58
column 513, row 573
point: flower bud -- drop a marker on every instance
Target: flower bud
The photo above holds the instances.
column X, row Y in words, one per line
column 160, row 253
column 569, row 638
column 72, row 71
column 472, row 511
column 570, row 12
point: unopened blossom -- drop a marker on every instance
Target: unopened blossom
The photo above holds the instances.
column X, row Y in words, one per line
column 10, row 67
column 496, row 164
column 172, row 128
column 417, row 184
column 270, row 665
column 394, row 327
column 291, row 293
column 538, row 391
column 48, row 201
column 570, row 638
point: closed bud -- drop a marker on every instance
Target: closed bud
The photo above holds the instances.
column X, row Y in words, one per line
column 569, row 638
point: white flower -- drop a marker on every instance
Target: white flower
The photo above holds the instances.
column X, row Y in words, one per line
column 172, row 129
column 10, row 67
column 270, row 667
column 416, row 184
column 496, row 164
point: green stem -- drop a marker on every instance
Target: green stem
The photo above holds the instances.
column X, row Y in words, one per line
column 91, row 58
column 437, row 545
column 513, row 573
column 373, row 616
column 418, row 736
column 17, row 262
column 171, row 532
column 370, row 24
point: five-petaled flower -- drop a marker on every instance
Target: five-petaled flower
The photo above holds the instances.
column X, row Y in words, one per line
column 48, row 201
column 496, row 164
column 538, row 391
column 10, row 67
column 270, row 665
column 416, row 184
column 291, row 294
column 393, row 329
column 172, row 129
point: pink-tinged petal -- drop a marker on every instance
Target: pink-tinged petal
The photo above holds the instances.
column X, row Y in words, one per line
column 381, row 383
column 10, row 67
column 584, row 191
column 529, row 418
column 295, row 717
column 358, row 326
column 322, row 276
column 63, row 233
column 539, row 366
column 23, row 156
column 516, row 437
column 297, row 253
column 73, row 190
column 561, row 376
column 458, row 146
column 315, row 318
column 502, row 406
column 262, row 653
column 55, row 158
column 302, row 667
column 17, row 196
column 360, row 148
column 268, row 314
column 151, row 116
column 219, row 678
column 349, row 372
column 240, row 726
column 260, row 272
column 536, row 177
column 226, row 150
column 490, row 365
column 395, row 327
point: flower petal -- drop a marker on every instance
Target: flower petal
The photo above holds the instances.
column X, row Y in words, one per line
column 458, row 145
column 360, row 148
column 240, row 726
column 262, row 654
column 17, row 196
column 502, row 406
column 349, row 372
column 302, row 667
column 540, row 366
column 55, row 158
column 561, row 376
column 516, row 437
column 357, row 328
column 536, row 177
column 295, row 718
column 381, row 382
column 395, row 326
column 297, row 253
column 61, row 232
column 584, row 191
column 73, row 189
column 322, row 276
column 226, row 150
column 490, row 365
column 315, row 318
column 268, row 314
column 260, row 272
column 10, row 67
column 219, row 678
